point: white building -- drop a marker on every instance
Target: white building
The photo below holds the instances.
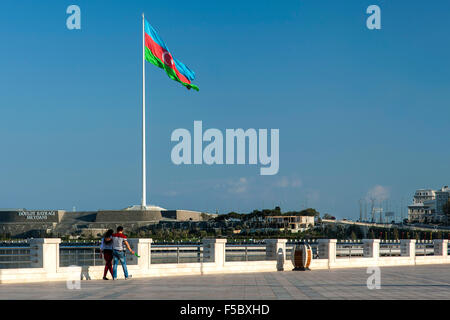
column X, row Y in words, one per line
column 427, row 206
column 293, row 223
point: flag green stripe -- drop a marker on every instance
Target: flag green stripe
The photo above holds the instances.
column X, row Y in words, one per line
column 150, row 57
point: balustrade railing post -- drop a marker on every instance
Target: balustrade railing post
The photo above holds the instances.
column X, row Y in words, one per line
column 327, row 250
column 47, row 253
column 441, row 248
column 408, row 249
column 371, row 248
column 214, row 251
column 273, row 246
column 143, row 248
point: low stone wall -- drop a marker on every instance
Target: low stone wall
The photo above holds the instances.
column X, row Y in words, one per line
column 184, row 269
column 186, row 215
column 141, row 216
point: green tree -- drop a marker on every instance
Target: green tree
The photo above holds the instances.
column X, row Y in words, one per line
column 310, row 212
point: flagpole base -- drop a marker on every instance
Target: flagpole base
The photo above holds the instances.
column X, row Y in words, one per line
column 139, row 207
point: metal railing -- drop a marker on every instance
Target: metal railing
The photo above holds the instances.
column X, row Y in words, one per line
column 84, row 255
column 390, row 249
column 424, row 248
column 257, row 252
column 176, row 253
column 349, row 248
column 16, row 256
column 19, row 254
column 245, row 252
column 80, row 255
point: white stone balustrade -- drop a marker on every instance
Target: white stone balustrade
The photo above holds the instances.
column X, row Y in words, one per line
column 45, row 260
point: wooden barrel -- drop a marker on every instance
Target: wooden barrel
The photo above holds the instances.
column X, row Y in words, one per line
column 301, row 257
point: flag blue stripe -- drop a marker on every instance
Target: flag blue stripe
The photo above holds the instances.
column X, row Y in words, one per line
column 182, row 68
column 152, row 33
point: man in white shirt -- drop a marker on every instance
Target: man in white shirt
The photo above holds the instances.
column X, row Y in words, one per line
column 119, row 239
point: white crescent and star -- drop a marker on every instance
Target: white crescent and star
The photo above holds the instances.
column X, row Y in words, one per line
column 167, row 58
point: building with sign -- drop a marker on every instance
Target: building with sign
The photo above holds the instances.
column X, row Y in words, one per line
column 23, row 223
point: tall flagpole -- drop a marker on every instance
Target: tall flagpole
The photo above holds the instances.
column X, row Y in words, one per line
column 144, row 188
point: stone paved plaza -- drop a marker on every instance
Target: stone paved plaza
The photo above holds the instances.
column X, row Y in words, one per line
column 419, row 282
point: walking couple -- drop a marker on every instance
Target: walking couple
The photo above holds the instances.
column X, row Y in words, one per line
column 112, row 248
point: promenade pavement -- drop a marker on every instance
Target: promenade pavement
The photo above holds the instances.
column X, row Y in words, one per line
column 416, row 282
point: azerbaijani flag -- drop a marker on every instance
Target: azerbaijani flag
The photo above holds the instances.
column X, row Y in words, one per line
column 157, row 53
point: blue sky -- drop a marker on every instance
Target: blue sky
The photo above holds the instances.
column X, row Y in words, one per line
column 358, row 110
